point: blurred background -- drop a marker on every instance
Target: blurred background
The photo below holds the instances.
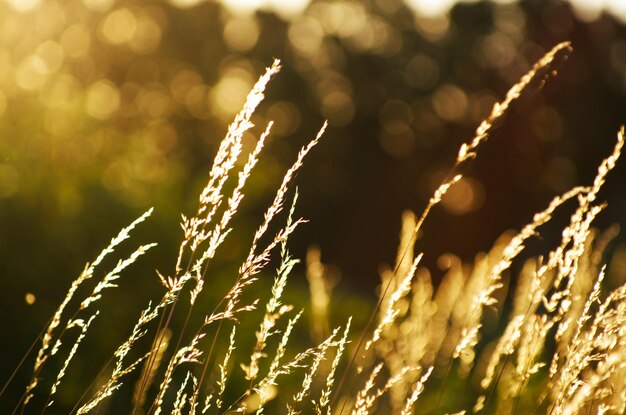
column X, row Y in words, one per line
column 109, row 107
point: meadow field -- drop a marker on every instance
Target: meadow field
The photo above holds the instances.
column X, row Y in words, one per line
column 402, row 248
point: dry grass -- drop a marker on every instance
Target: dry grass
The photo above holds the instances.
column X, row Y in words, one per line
column 563, row 331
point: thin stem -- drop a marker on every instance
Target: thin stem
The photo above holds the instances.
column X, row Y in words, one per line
column 156, row 344
column 23, row 359
column 91, row 384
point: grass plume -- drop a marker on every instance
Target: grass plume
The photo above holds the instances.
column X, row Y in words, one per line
column 562, row 331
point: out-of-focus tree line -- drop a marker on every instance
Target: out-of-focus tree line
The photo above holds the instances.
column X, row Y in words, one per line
column 110, row 107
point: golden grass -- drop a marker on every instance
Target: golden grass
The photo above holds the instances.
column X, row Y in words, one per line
column 563, row 331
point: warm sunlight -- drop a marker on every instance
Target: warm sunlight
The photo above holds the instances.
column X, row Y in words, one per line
column 345, row 207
